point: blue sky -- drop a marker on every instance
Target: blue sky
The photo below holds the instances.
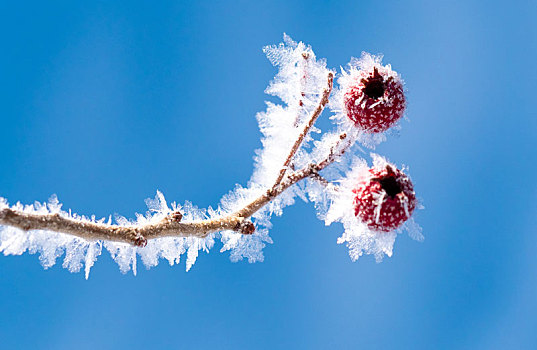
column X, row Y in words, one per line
column 103, row 104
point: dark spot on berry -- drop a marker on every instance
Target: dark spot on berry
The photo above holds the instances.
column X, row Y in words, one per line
column 390, row 185
column 374, row 89
column 374, row 85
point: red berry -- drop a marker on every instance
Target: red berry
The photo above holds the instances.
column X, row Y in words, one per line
column 375, row 100
column 385, row 200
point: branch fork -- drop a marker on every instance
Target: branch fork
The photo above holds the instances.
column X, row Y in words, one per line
column 172, row 225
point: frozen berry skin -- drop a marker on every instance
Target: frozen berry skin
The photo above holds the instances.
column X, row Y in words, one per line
column 385, row 200
column 375, row 100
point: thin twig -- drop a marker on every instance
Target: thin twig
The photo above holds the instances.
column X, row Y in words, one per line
column 309, row 125
column 336, row 151
column 305, row 56
column 320, row 179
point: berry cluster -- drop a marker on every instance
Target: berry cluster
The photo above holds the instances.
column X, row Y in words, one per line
column 374, row 101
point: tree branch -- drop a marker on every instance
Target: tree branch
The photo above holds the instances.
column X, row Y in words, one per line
column 171, row 226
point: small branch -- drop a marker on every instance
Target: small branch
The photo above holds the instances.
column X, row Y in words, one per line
column 307, row 128
column 172, row 226
column 167, row 227
column 305, row 56
column 335, row 151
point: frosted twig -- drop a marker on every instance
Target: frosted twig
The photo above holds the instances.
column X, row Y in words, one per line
column 167, row 227
column 171, row 225
column 307, row 127
column 305, row 56
column 320, row 179
column 336, row 151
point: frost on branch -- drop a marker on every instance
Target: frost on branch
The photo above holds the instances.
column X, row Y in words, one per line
column 167, row 248
column 51, row 245
column 299, row 83
column 297, row 159
column 80, row 252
